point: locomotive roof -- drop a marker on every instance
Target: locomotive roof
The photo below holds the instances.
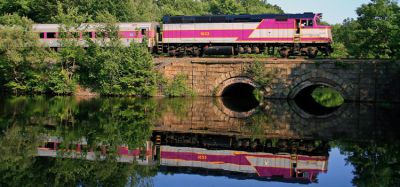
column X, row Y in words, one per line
column 234, row 18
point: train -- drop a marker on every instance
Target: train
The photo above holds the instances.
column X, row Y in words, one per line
column 288, row 34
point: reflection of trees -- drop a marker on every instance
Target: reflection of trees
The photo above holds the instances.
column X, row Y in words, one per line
column 27, row 121
column 376, row 163
column 257, row 124
column 179, row 107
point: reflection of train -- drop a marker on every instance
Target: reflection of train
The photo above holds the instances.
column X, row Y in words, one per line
column 298, row 146
column 293, row 34
column 211, row 158
column 53, row 147
column 264, row 165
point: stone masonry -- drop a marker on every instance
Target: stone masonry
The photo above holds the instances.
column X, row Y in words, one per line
column 356, row 80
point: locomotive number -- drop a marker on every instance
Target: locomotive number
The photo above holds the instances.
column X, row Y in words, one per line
column 202, row 157
column 204, row 33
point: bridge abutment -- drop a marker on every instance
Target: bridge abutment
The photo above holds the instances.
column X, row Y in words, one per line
column 356, row 80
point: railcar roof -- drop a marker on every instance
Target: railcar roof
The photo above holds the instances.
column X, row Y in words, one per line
column 234, row 18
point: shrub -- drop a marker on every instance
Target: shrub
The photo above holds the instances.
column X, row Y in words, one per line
column 177, row 87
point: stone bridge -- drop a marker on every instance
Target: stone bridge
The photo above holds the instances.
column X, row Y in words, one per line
column 356, row 80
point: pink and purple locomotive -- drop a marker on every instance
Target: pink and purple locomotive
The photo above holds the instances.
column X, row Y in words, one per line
column 289, row 34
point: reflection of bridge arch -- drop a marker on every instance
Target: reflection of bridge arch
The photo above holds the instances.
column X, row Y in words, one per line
column 231, row 113
column 305, row 115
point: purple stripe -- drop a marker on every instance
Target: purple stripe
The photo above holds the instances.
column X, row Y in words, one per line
column 273, row 24
column 270, row 171
column 228, row 159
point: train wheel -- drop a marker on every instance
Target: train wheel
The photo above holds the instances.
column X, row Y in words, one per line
column 247, row 50
column 312, row 52
column 284, row 52
column 172, row 53
column 196, row 52
column 240, row 50
column 256, row 50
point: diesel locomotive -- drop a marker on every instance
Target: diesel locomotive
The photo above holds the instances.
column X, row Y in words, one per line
column 289, row 34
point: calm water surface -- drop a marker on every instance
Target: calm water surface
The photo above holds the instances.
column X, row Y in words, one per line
column 67, row 141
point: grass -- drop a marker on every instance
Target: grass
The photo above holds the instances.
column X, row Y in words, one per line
column 327, row 97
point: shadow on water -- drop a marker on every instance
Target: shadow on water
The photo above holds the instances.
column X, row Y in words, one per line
column 239, row 97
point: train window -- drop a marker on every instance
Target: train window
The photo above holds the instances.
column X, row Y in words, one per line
column 310, row 23
column 202, row 19
column 101, row 35
column 218, row 19
column 303, row 23
column 143, row 31
column 41, row 35
column 51, row 35
column 281, row 18
column 88, row 35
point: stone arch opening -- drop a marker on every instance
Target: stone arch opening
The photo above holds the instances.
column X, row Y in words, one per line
column 304, row 103
column 237, row 95
column 238, row 90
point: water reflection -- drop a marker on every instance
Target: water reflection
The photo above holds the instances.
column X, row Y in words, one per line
column 66, row 141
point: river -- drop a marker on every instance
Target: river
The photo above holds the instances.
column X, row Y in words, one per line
column 74, row 141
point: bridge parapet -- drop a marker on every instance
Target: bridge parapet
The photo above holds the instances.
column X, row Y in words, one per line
column 356, row 80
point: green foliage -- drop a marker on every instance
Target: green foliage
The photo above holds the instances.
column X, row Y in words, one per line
column 118, row 70
column 375, row 32
column 257, row 72
column 177, row 87
column 242, row 7
column 376, row 162
column 340, row 50
column 257, row 124
column 25, row 65
column 43, row 11
column 258, row 94
column 60, row 83
column 327, row 97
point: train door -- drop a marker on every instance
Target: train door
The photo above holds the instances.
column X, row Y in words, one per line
column 297, row 34
column 144, row 31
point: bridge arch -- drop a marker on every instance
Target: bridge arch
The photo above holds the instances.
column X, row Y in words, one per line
column 321, row 79
column 230, row 83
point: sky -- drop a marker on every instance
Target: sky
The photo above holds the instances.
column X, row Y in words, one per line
column 334, row 11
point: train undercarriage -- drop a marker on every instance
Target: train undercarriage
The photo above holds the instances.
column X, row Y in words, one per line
column 310, row 50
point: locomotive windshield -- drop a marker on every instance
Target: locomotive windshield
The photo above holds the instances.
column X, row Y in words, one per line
column 318, row 19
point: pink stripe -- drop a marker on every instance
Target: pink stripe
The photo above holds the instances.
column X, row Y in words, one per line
column 273, row 24
column 130, row 34
column 269, row 172
column 231, row 159
column 308, row 158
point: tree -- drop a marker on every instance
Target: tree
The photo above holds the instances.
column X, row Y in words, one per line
column 182, row 7
column 377, row 28
column 23, row 60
